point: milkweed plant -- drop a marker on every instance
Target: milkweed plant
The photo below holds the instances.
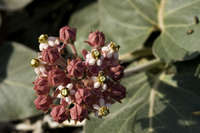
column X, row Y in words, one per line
column 71, row 88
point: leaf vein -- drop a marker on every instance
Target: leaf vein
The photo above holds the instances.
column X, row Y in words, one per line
column 141, row 13
column 124, row 24
column 182, row 7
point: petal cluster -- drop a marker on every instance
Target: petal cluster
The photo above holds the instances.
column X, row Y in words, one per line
column 71, row 88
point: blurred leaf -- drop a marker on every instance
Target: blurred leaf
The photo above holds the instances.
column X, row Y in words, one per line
column 130, row 22
column 0, row 20
column 197, row 72
column 16, row 76
column 173, row 107
column 13, row 4
column 37, row 18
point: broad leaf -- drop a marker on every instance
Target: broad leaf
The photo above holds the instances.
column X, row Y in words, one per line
column 179, row 22
column 85, row 20
column 173, row 107
column 13, row 4
column 130, row 22
column 16, row 77
column 130, row 34
column 127, row 22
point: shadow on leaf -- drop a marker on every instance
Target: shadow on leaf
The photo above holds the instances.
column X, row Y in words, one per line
column 5, row 53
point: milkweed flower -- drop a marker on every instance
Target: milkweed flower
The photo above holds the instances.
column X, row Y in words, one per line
column 67, row 34
column 71, row 88
column 96, row 39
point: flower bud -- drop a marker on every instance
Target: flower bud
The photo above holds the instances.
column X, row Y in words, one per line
column 84, row 53
column 41, row 86
column 76, row 68
column 43, row 102
column 96, row 39
column 93, row 70
column 59, row 113
column 78, row 113
column 67, row 34
column 57, row 77
column 82, row 95
column 50, row 55
column 117, row 72
column 118, row 92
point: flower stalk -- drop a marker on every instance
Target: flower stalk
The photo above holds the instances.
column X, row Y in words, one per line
column 73, row 48
column 142, row 68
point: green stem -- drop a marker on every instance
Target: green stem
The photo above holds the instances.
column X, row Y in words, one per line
column 144, row 67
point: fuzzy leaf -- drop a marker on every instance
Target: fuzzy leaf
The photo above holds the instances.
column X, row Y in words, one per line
column 16, row 76
column 84, row 25
column 125, row 33
column 179, row 22
column 130, row 22
column 174, row 105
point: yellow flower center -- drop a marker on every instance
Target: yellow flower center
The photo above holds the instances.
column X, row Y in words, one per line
column 101, row 77
column 95, row 54
column 35, row 62
column 64, row 92
column 114, row 46
column 43, row 38
column 103, row 111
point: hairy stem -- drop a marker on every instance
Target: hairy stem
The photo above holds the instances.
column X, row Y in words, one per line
column 73, row 48
column 141, row 68
column 135, row 55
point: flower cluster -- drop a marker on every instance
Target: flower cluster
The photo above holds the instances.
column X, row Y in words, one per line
column 74, row 87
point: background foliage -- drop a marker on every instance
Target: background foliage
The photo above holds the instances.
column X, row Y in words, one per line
column 163, row 99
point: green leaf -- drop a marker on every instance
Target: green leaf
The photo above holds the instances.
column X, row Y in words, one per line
column 178, row 21
column 173, row 106
column 13, row 4
column 130, row 22
column 127, row 22
column 102, row 16
column 16, row 77
column 85, row 20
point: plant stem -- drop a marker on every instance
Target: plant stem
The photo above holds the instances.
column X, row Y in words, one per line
column 135, row 55
column 140, row 68
column 73, row 48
